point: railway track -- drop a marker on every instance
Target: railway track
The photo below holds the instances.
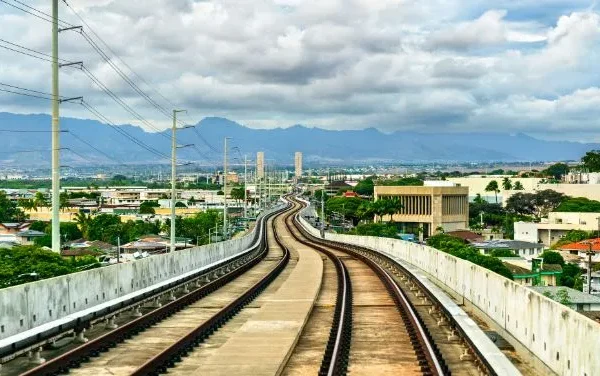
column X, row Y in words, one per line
column 375, row 287
column 237, row 280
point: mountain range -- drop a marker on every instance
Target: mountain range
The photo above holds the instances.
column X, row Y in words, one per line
column 25, row 140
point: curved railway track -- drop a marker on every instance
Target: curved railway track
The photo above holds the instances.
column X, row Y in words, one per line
column 79, row 356
column 337, row 354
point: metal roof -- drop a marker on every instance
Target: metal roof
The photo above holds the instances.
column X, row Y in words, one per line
column 508, row 244
column 575, row 296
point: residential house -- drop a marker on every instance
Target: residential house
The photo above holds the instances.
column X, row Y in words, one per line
column 573, row 299
column 532, row 272
column 527, row 250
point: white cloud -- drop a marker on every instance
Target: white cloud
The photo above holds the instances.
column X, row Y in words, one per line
column 392, row 64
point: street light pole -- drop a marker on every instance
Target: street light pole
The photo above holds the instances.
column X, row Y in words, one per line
column 225, row 189
column 245, row 186
column 55, row 134
column 173, row 176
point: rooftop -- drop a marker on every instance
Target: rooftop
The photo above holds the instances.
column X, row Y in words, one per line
column 575, row 296
column 507, row 244
column 583, row 245
column 466, row 235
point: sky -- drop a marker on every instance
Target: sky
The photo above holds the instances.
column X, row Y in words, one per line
column 509, row 66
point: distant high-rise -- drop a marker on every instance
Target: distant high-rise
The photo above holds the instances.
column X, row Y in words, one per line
column 298, row 163
column 260, row 164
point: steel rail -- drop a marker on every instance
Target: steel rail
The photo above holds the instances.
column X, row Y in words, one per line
column 337, row 351
column 433, row 362
column 173, row 354
column 92, row 348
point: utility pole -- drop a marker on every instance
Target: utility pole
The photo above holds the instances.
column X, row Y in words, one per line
column 225, row 190
column 246, row 189
column 55, row 134
column 174, row 176
column 118, row 249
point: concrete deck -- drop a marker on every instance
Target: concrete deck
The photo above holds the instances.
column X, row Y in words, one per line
column 264, row 343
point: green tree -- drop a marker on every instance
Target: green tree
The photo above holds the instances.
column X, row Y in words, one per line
column 180, row 204
column 562, row 296
column 457, row 247
column 365, row 187
column 105, row 227
column 518, row 186
column 503, row 252
column 552, row 257
column 9, row 212
column 507, row 184
column 83, row 222
column 493, row 187
column 40, row 200
column 237, row 193
column 557, row 170
column 375, row 229
column 579, row 205
column 591, row 160
column 147, row 207
column 347, row 206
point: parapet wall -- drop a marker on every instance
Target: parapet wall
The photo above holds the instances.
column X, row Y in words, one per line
column 30, row 305
column 564, row 340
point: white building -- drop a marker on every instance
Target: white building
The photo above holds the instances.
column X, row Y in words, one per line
column 260, row 164
column 558, row 224
column 298, row 164
column 527, row 250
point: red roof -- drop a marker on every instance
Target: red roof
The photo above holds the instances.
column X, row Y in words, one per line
column 583, row 245
column 350, row 194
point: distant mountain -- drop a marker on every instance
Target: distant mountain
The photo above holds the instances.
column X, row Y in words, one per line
column 91, row 142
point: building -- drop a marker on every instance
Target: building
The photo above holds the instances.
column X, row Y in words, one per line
column 532, row 272
column 478, row 183
column 558, row 224
column 523, row 249
column 260, row 164
column 581, row 249
column 426, row 209
column 298, row 164
column 9, row 231
column 467, row 236
column 28, row 237
column 572, row 298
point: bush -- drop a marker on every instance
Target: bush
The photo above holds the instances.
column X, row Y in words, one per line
column 375, row 229
column 456, row 247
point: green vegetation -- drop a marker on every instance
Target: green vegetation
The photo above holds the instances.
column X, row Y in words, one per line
column 346, row 206
column 571, row 273
column 518, row 186
column 108, row 227
column 579, row 204
column 68, row 231
column 503, row 252
column 147, row 207
column 572, row 237
column 29, row 263
column 507, row 184
column 384, row 230
column 195, row 227
column 562, row 296
column 456, row 247
column 414, row 181
column 591, row 161
column 537, row 204
column 365, row 187
column 493, row 187
column 556, row 171
column 9, row 212
column 237, row 193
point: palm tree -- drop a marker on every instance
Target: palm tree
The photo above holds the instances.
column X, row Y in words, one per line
column 518, row 186
column 39, row 200
column 83, row 222
column 393, row 206
column 507, row 184
column 493, row 187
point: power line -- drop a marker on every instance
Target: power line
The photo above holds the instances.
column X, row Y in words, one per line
column 30, row 50
column 123, row 132
column 93, row 147
column 38, row 13
column 24, row 94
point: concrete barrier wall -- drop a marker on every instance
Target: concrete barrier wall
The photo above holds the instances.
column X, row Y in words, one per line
column 27, row 306
column 564, row 340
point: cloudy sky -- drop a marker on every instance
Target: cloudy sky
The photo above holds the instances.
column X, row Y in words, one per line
column 506, row 65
